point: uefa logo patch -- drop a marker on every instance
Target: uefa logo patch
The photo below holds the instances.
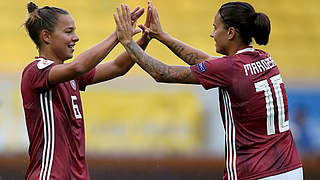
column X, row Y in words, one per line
column 44, row 63
column 73, row 85
column 202, row 68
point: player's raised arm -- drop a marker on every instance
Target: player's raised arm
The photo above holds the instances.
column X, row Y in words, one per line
column 88, row 59
column 185, row 52
column 159, row 71
column 123, row 63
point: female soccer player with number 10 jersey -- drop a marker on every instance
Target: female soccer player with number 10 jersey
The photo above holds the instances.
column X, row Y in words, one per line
column 253, row 101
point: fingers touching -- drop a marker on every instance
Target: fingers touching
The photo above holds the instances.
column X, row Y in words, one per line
column 136, row 14
column 126, row 21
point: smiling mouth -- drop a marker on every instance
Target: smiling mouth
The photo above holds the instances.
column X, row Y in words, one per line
column 71, row 46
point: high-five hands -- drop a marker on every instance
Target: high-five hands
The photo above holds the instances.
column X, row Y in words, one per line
column 125, row 26
column 151, row 29
column 136, row 14
column 154, row 30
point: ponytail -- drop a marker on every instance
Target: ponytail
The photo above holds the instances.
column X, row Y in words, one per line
column 261, row 29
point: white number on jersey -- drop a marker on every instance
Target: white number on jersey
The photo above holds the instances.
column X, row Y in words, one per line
column 264, row 86
column 75, row 106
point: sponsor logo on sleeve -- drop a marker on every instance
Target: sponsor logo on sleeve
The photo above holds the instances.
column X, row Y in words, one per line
column 44, row 63
column 202, row 68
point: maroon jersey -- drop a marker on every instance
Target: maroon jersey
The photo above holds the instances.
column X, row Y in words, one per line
column 55, row 124
column 254, row 109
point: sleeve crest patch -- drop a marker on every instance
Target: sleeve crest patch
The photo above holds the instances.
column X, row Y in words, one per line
column 202, row 68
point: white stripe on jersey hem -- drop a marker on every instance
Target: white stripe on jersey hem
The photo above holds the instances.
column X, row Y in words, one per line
column 245, row 50
column 230, row 138
column 47, row 114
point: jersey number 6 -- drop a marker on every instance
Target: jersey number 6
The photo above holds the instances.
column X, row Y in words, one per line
column 264, row 86
column 75, row 106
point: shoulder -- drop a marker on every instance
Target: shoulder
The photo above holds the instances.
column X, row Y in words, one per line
column 39, row 64
column 262, row 53
column 36, row 70
column 215, row 65
column 29, row 68
column 221, row 62
column 220, row 59
column 251, row 56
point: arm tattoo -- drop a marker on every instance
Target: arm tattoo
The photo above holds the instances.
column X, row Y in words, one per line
column 158, row 70
column 177, row 49
column 190, row 58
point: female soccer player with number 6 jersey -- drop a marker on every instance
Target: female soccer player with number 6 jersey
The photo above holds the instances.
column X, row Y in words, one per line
column 50, row 91
column 253, row 101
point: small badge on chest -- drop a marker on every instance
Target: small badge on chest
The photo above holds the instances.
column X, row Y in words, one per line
column 73, row 84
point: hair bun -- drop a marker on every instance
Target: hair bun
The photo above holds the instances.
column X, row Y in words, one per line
column 31, row 7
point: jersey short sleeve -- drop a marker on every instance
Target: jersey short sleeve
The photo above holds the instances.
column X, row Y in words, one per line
column 86, row 79
column 37, row 75
column 213, row 73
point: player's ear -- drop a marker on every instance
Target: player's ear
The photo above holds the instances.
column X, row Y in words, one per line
column 45, row 36
column 231, row 32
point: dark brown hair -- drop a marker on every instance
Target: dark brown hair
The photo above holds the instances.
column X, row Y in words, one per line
column 41, row 18
column 247, row 22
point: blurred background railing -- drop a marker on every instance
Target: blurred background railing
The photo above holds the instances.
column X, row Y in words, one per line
column 139, row 129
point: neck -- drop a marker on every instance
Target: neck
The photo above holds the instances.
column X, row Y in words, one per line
column 233, row 50
column 50, row 56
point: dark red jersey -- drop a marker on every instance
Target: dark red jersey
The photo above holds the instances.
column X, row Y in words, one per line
column 55, row 124
column 254, row 109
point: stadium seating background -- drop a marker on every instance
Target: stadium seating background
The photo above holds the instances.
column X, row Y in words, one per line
column 155, row 131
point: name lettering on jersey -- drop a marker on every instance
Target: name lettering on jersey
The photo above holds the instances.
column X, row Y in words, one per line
column 43, row 63
column 259, row 66
column 202, row 68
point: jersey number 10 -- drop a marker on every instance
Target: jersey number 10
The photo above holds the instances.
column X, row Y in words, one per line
column 264, row 86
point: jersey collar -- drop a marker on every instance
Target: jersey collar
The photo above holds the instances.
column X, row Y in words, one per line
column 39, row 58
column 248, row 49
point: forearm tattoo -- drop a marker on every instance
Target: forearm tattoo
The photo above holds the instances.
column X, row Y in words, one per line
column 158, row 70
column 190, row 58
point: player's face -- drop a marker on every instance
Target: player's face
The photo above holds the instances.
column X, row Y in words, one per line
column 64, row 37
column 220, row 35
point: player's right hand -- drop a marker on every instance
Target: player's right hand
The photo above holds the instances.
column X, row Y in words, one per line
column 125, row 27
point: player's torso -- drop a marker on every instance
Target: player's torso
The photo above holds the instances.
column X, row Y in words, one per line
column 255, row 88
column 255, row 113
column 56, row 131
column 69, row 155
